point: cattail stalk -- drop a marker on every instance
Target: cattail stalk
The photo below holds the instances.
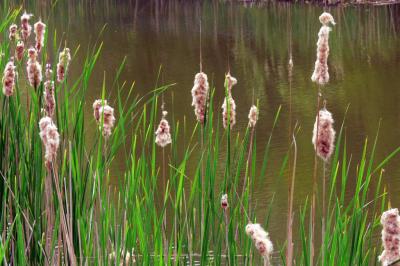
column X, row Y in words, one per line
column 19, row 50
column 321, row 77
column 13, row 32
column 261, row 241
column 26, row 28
column 225, row 208
column 9, row 78
column 34, row 69
column 49, row 98
column 63, row 63
column 40, row 30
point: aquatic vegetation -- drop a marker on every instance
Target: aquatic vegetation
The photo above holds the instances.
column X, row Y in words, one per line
column 9, row 78
column 59, row 205
column 63, row 62
column 40, row 29
column 199, row 94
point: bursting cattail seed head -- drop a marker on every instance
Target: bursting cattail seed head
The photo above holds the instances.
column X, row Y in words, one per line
column 34, row 69
column 9, row 78
column 390, row 221
column 326, row 18
column 49, row 98
column 97, row 104
column 19, row 50
column 13, row 32
column 321, row 73
column 50, row 138
column 260, row 239
column 224, row 202
column 40, row 29
column 253, row 116
column 63, row 62
column 324, row 142
column 107, row 114
column 26, row 28
column 199, row 96
column 231, row 113
column 163, row 135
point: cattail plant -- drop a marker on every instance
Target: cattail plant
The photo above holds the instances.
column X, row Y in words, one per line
column 63, row 62
column 49, row 98
column 34, row 69
column 225, row 206
column 97, row 104
column 324, row 135
column 199, row 95
column 40, row 29
column 321, row 77
column 19, row 50
column 163, row 138
column 50, row 138
column 13, row 32
column 229, row 106
column 9, row 78
column 261, row 241
column 106, row 113
column 163, row 135
column 390, row 221
column 321, row 74
column 26, row 28
column 253, row 116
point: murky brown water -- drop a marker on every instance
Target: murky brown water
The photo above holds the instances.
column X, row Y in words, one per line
column 254, row 43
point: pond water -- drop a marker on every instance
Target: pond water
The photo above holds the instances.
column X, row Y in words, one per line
column 254, row 43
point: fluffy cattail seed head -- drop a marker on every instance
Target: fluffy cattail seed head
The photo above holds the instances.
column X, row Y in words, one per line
column 163, row 135
column 49, row 98
column 253, row 116
column 229, row 106
column 260, row 239
column 326, row 18
column 26, row 28
column 34, row 69
column 199, row 96
column 63, row 62
column 224, row 202
column 390, row 221
column 19, row 50
column 40, row 29
column 9, row 78
column 321, row 74
column 324, row 135
column 97, row 104
column 231, row 114
column 107, row 114
column 50, row 138
column 13, row 32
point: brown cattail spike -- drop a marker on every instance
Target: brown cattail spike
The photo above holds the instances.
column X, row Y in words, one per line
column 163, row 135
column 321, row 73
column 26, row 28
column 9, row 78
column 390, row 221
column 63, row 63
column 199, row 96
column 231, row 113
column 40, row 29
column 324, row 142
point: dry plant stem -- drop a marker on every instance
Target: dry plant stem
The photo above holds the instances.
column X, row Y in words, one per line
column 226, row 214
column 64, row 227
column 323, row 212
column 266, row 261
column 314, row 196
column 164, row 224
column 49, row 215
column 289, row 254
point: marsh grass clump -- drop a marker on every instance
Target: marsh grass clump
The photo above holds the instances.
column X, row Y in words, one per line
column 324, row 134
column 390, row 221
column 9, row 77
